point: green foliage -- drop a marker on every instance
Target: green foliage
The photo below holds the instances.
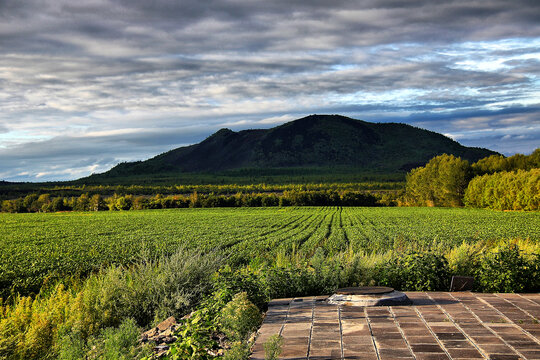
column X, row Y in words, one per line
column 227, row 282
column 65, row 322
column 119, row 343
column 441, row 182
column 518, row 190
column 195, row 336
column 294, row 197
column 508, row 270
column 501, row 183
column 464, row 260
column 196, row 330
column 273, row 347
column 153, row 289
column 426, row 271
column 29, row 328
column 240, row 318
column 499, row 163
column 72, row 346
column 72, row 244
column 238, row 351
column 111, row 344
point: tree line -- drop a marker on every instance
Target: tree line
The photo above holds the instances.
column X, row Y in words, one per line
column 494, row 182
column 505, row 190
column 96, row 202
column 20, row 190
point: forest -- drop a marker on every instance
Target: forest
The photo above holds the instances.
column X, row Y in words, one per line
column 495, row 182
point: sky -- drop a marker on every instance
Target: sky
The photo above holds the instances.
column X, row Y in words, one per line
column 87, row 84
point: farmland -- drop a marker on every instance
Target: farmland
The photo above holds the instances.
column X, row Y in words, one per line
column 34, row 247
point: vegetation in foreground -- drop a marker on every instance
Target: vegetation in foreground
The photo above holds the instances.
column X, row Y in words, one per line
column 101, row 316
column 36, row 249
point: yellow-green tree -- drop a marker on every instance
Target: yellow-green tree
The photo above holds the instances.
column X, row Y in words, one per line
column 442, row 182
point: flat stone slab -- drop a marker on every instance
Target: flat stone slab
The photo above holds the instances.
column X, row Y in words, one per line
column 391, row 298
column 438, row 325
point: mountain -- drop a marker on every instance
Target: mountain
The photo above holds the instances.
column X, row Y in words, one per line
column 315, row 141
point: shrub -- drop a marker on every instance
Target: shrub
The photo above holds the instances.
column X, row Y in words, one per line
column 30, row 327
column 508, row 270
column 151, row 290
column 238, row 351
column 464, row 260
column 228, row 282
column 72, row 346
column 415, row 272
column 240, row 317
column 119, row 343
column 60, row 321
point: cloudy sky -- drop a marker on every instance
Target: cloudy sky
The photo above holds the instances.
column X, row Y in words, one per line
column 86, row 84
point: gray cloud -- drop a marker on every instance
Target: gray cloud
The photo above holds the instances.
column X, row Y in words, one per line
column 137, row 78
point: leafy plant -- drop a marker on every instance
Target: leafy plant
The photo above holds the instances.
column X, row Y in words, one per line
column 508, row 270
column 195, row 336
column 239, row 318
column 416, row 272
column 273, row 347
column 238, row 351
column 119, row 343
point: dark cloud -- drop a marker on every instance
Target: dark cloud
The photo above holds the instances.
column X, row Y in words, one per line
column 83, row 83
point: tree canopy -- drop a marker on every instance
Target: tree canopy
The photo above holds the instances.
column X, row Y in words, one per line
column 441, row 182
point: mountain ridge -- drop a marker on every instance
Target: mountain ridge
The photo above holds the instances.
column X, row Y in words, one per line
column 317, row 141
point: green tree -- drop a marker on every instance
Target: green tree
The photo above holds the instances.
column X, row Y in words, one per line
column 82, row 203
column 442, row 182
column 507, row 190
column 58, row 204
column 97, row 203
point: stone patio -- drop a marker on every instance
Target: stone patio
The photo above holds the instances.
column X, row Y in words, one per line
column 438, row 325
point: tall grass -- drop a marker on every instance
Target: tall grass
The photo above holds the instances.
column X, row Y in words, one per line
column 71, row 318
column 101, row 316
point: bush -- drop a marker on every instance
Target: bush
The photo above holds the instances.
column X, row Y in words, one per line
column 240, row 317
column 228, row 282
column 61, row 322
column 72, row 346
column 464, row 260
column 119, row 343
column 151, row 290
column 508, row 270
column 416, row 272
column 238, row 351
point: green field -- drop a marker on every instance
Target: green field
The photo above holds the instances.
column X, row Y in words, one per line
column 36, row 246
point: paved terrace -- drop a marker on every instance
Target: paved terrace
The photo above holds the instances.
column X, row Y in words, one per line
column 439, row 325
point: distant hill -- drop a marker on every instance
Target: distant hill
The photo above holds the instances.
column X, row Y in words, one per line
column 314, row 142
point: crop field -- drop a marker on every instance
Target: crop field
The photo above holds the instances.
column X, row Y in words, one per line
column 34, row 247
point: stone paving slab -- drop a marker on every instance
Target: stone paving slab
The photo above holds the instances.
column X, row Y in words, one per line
column 438, row 325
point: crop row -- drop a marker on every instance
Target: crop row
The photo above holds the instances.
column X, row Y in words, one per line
column 35, row 247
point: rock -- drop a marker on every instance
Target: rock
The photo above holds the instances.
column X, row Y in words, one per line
column 169, row 339
column 168, row 332
column 162, row 335
column 161, row 350
column 166, row 324
column 149, row 335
